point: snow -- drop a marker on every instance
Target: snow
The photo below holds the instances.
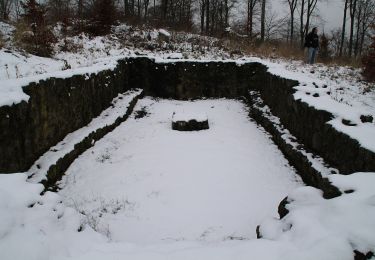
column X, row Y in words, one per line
column 340, row 89
column 188, row 115
column 144, row 183
column 315, row 161
column 12, row 89
column 146, row 192
column 6, row 31
column 40, row 227
column 362, row 132
column 337, row 92
column 164, row 32
column 335, row 226
column 119, row 108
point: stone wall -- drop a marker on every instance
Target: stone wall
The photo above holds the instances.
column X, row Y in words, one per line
column 310, row 126
column 60, row 106
column 192, row 80
column 56, row 107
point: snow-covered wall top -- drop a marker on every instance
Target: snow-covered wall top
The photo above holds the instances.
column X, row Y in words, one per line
column 183, row 79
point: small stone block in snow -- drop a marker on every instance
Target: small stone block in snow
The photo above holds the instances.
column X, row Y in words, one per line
column 164, row 35
column 189, row 122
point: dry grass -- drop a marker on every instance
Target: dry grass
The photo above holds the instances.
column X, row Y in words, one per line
column 19, row 35
column 286, row 51
column 2, row 41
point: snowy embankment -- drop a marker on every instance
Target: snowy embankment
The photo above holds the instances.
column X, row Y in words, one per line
column 154, row 193
column 348, row 101
column 338, row 90
column 118, row 110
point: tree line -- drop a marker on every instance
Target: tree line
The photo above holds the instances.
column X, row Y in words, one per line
column 256, row 21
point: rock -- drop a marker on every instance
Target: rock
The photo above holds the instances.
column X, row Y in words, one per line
column 282, row 210
column 259, row 235
column 164, row 36
column 367, row 118
column 140, row 113
column 348, row 122
column 361, row 256
column 183, row 122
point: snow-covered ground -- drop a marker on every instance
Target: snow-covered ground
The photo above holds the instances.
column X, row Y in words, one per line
column 145, row 182
column 148, row 192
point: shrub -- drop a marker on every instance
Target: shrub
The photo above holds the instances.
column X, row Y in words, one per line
column 103, row 15
column 32, row 32
column 2, row 41
column 369, row 62
column 324, row 48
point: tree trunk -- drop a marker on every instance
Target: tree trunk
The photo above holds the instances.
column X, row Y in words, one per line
column 146, row 4
column 291, row 27
column 203, row 10
column 301, row 28
column 343, row 28
column 311, row 4
column 164, row 9
column 292, row 8
column 353, row 9
column 226, row 14
column 139, row 9
column 207, row 17
column 358, row 32
column 263, row 21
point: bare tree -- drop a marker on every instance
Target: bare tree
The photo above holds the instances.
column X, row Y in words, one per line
column 352, row 12
column 369, row 60
column 302, row 27
column 358, row 22
column 145, row 6
column 263, row 21
column 335, row 36
column 251, row 4
column 292, row 8
column 273, row 24
column 207, row 5
column 5, row 9
column 343, row 28
column 202, row 11
column 307, row 8
column 365, row 17
column 214, row 15
column 311, row 5
column 59, row 10
column 164, row 9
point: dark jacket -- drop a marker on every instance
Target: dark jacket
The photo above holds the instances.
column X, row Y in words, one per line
column 312, row 40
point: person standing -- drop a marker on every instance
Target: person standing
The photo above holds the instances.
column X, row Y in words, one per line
column 312, row 45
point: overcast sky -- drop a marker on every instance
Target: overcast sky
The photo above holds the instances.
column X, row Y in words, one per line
column 331, row 11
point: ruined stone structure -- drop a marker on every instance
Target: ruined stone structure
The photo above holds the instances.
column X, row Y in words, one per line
column 60, row 106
